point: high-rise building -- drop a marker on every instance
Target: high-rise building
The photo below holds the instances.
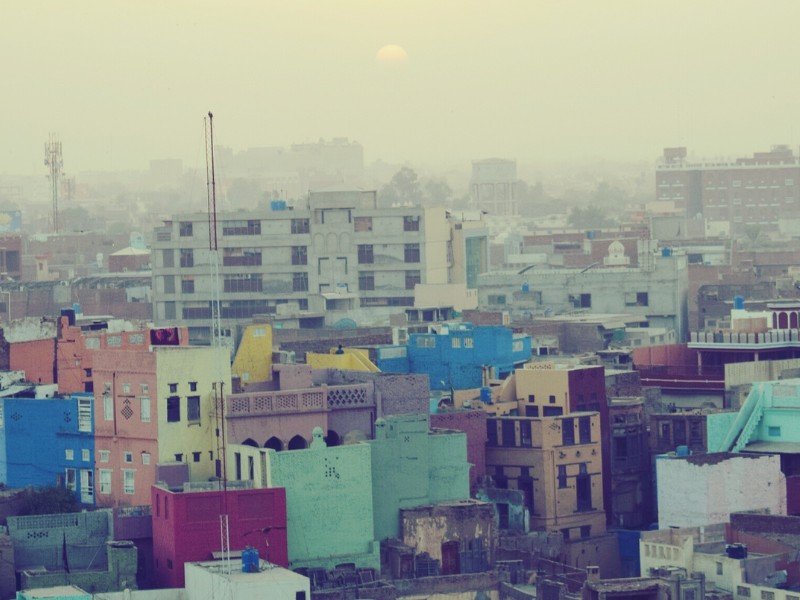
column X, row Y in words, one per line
column 757, row 190
column 336, row 254
column 493, row 186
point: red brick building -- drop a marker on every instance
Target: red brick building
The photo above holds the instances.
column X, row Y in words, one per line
column 186, row 527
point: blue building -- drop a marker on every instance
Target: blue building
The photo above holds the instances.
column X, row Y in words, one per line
column 48, row 441
column 458, row 355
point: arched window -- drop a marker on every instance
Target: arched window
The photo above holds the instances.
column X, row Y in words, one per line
column 297, row 443
column 332, row 439
column 250, row 442
column 274, row 444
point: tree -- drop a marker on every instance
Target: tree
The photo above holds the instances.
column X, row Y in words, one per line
column 589, row 217
column 437, row 191
column 403, row 188
column 48, row 500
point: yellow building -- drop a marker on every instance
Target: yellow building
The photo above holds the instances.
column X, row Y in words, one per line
column 557, row 463
column 350, row 359
column 253, row 360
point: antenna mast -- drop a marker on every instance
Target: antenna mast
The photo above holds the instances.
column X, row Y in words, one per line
column 54, row 161
column 213, row 248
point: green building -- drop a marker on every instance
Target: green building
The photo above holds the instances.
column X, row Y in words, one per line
column 414, row 466
column 329, row 504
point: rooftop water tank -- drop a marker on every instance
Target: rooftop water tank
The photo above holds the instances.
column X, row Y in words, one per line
column 526, row 288
column 666, row 252
column 250, row 560
column 682, row 451
column 486, row 395
column 738, row 302
column 277, row 205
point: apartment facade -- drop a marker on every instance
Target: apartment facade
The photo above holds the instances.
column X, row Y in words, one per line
column 154, row 407
column 337, row 254
column 762, row 189
column 493, row 186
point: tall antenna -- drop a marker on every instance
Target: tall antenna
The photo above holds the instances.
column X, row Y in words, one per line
column 213, row 248
column 54, row 161
column 222, row 473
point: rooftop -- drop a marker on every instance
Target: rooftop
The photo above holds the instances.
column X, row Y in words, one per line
column 267, row 574
column 59, row 591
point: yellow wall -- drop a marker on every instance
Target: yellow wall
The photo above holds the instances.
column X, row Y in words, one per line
column 182, row 365
column 437, row 235
column 542, row 384
column 353, row 359
column 253, row 361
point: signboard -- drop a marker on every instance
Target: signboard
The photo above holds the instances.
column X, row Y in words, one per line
column 10, row 221
column 164, row 336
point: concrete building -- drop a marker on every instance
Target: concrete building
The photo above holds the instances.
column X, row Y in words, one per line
column 493, row 186
column 337, row 253
column 414, row 466
column 655, row 289
column 631, row 471
column 473, row 423
column 186, row 527
column 664, row 585
column 705, row 489
column 154, row 407
column 761, row 189
column 670, row 430
column 233, row 583
column 46, row 442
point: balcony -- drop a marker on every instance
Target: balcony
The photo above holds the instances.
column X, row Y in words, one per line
column 319, row 399
column 736, row 340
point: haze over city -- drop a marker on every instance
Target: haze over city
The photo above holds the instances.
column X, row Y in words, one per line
column 125, row 82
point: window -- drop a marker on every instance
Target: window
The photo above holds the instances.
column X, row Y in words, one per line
column 586, row 531
column 241, row 257
column 366, row 281
column 185, row 228
column 469, row 342
column 105, row 455
column 144, row 409
column 169, row 310
column 169, row 284
column 145, row 458
column 410, row 223
column 128, row 481
column 636, row 299
column 562, row 476
column 168, row 258
column 299, row 255
column 69, row 454
column 426, row 341
column 84, row 414
column 193, row 409
column 509, row 433
column 173, row 388
column 128, row 457
column 525, row 434
column 497, row 298
column 789, row 182
column 362, row 224
column 412, row 279
column 70, row 479
column 249, row 227
column 173, row 409
column 108, row 405
column 565, row 534
column 551, row 399
column 585, row 301
column 568, row 432
column 242, row 282
column 187, row 285
column 365, row 254
column 196, row 456
column 742, row 591
column 491, row 433
column 552, row 411
column 455, row 342
column 774, row 431
column 85, row 455
column 179, row 457
column 300, row 226
column 585, row 430
column 411, row 253
column 187, row 257
column 719, row 568
column 105, row 481
column 126, row 388
column 765, row 595
column 299, row 282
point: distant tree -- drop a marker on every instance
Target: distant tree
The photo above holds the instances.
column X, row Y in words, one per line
column 589, row 217
column 49, row 500
column 437, row 191
column 404, row 187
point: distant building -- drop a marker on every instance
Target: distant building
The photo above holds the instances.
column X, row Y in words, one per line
column 493, row 186
column 758, row 190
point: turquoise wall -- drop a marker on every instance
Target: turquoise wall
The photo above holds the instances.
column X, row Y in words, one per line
column 717, row 426
column 329, row 504
column 411, row 467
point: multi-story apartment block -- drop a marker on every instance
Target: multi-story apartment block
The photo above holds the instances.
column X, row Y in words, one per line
column 336, row 254
column 758, row 190
column 493, row 186
column 155, row 407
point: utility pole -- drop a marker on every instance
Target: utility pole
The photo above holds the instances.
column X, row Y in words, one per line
column 213, row 247
column 54, row 161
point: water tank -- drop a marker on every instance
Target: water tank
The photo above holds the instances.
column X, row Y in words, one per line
column 277, row 205
column 70, row 314
column 738, row 302
column 737, row 551
column 77, row 308
column 591, row 234
column 486, row 395
column 250, row 560
column 682, row 451
column 526, row 288
column 666, row 252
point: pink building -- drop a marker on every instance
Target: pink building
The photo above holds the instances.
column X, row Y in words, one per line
column 186, row 527
column 473, row 423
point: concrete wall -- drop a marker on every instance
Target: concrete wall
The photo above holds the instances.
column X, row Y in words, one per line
column 329, row 504
column 706, row 489
column 473, row 424
column 37, row 358
column 253, row 360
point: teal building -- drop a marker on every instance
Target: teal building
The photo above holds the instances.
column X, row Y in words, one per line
column 413, row 465
column 329, row 507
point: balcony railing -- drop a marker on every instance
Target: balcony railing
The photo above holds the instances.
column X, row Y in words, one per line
column 294, row 401
column 776, row 336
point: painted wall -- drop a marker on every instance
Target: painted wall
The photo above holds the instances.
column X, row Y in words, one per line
column 186, row 527
column 706, row 489
column 473, row 424
column 37, row 358
column 405, row 472
column 717, row 426
column 253, row 360
column 329, row 504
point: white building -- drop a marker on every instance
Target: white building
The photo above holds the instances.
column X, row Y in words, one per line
column 705, row 489
column 334, row 256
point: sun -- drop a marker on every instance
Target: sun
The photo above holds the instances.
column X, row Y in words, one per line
column 391, row 54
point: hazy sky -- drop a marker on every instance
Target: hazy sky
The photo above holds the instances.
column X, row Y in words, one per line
column 123, row 82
